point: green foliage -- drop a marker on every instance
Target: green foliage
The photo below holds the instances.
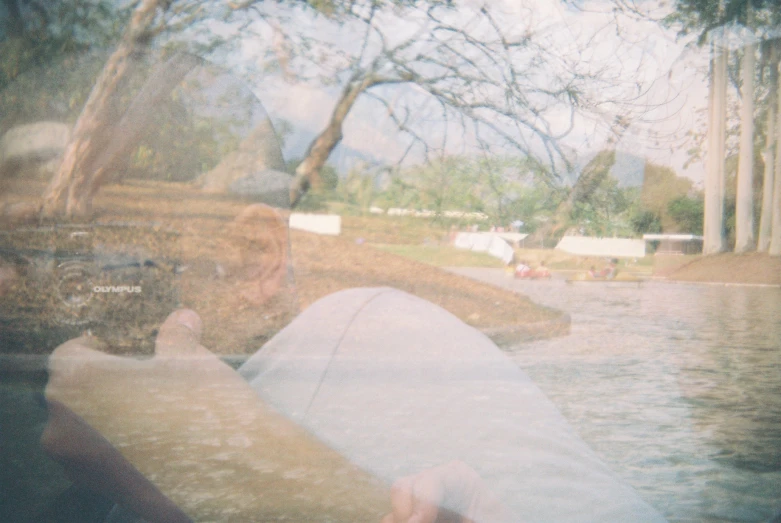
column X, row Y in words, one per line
column 593, row 176
column 534, row 205
column 515, row 188
column 644, row 221
column 599, row 206
column 661, row 186
column 37, row 33
column 607, row 211
column 56, row 91
column 447, row 184
column 504, row 188
column 701, row 16
column 688, row 213
column 329, row 178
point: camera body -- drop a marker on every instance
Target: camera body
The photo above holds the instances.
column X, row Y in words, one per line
column 117, row 281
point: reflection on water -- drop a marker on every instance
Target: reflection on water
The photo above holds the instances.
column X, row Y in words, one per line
column 677, row 386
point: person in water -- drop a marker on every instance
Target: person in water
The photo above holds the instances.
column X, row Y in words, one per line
column 522, row 270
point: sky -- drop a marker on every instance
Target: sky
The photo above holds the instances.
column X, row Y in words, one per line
column 670, row 76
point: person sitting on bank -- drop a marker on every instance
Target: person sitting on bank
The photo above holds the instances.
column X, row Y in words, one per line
column 542, row 271
column 611, row 270
column 522, row 270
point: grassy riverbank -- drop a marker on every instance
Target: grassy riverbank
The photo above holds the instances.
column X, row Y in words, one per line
column 322, row 265
column 421, row 241
column 751, row 268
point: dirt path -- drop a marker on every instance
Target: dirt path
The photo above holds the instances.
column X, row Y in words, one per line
column 731, row 268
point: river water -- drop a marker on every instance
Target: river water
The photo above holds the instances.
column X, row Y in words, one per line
column 676, row 386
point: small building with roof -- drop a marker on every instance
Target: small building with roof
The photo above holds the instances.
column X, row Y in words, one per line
column 675, row 244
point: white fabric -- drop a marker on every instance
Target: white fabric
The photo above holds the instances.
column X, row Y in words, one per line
column 498, row 248
column 399, row 385
column 491, row 243
column 610, row 247
column 481, row 242
column 328, row 224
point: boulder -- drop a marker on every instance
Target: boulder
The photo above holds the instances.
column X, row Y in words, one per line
column 36, row 145
column 259, row 151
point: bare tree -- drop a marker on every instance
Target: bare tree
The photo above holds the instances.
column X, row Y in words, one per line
column 712, row 19
column 766, row 219
column 98, row 140
column 592, row 177
column 775, row 235
column 488, row 72
column 71, row 188
column 485, row 72
column 714, row 242
column 744, row 215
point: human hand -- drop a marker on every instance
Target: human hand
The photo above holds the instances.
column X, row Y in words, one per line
column 450, row 493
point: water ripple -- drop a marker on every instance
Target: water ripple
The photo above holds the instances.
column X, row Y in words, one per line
column 678, row 387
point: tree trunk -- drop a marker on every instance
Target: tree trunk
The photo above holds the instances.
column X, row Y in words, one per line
column 587, row 183
column 713, row 242
column 744, row 212
column 766, row 220
column 125, row 136
column 68, row 192
column 308, row 171
column 775, row 234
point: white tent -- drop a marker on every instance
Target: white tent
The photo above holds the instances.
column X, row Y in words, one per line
column 605, row 247
column 490, row 243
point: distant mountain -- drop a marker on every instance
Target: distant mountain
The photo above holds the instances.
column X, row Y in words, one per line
column 629, row 169
column 343, row 158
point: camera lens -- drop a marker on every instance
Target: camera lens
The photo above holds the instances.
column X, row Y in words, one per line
column 74, row 289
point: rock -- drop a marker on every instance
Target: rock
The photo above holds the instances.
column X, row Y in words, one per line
column 38, row 145
column 19, row 213
column 259, row 151
column 270, row 186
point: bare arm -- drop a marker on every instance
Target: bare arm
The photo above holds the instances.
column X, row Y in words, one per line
column 190, row 423
column 91, row 461
column 195, row 428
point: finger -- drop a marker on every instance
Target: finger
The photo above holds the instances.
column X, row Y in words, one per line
column 427, row 496
column 179, row 334
column 401, row 500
